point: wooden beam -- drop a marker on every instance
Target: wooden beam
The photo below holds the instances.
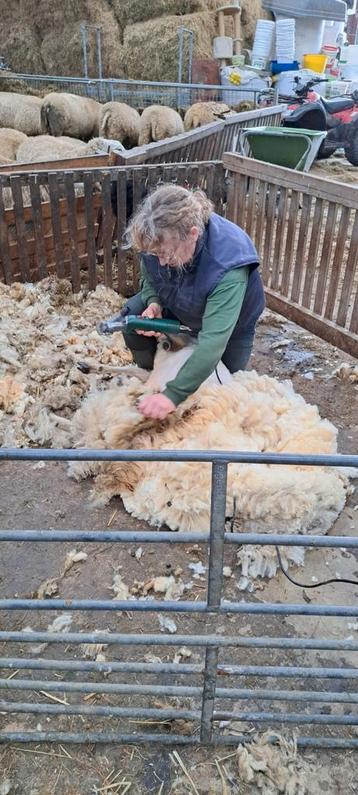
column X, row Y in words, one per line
column 340, row 337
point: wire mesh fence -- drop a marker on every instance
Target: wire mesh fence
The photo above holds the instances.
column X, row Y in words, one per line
column 140, row 93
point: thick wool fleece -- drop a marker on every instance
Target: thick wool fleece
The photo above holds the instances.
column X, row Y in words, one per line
column 252, row 412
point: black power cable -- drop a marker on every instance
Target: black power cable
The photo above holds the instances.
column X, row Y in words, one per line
column 311, row 585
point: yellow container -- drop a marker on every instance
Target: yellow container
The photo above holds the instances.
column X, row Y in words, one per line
column 315, row 61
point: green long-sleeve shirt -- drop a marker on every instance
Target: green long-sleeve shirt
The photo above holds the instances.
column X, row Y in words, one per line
column 221, row 314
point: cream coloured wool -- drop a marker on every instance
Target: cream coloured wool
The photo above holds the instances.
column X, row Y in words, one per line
column 251, row 412
column 120, row 122
column 201, row 113
column 68, row 114
column 21, row 112
column 10, row 140
column 158, row 122
column 48, row 147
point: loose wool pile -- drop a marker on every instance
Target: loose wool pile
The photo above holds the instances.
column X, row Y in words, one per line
column 44, row 331
column 45, row 400
column 252, row 412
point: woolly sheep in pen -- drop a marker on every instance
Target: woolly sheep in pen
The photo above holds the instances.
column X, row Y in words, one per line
column 204, row 113
column 158, row 122
column 10, row 140
column 48, row 147
column 68, row 114
column 20, row 112
column 121, row 122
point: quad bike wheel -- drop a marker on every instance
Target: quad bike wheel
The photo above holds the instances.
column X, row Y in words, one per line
column 351, row 150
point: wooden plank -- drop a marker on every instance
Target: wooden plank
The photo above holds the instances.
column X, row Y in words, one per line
column 312, row 256
column 121, row 223
column 260, row 216
column 90, row 224
column 54, row 192
column 324, row 265
column 287, row 266
column 341, row 338
column 269, row 233
column 16, row 185
column 96, row 161
column 38, row 226
column 350, row 275
column 210, row 181
column 108, row 224
column 48, row 245
column 251, row 208
column 300, row 255
column 72, row 228
column 353, row 326
column 5, row 258
column 280, row 237
column 46, row 205
column 287, row 178
column 339, row 256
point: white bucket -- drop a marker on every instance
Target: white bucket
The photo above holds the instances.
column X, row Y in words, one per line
column 263, row 41
column 349, row 71
column 350, row 54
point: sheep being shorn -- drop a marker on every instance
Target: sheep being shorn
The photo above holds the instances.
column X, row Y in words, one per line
column 250, row 412
column 68, row 114
column 158, row 122
column 120, row 122
column 21, row 112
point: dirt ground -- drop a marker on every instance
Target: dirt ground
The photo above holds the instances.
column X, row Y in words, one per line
column 34, row 496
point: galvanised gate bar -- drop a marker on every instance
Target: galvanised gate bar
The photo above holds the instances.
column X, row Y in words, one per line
column 214, row 669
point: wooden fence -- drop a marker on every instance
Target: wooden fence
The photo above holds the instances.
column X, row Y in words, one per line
column 306, row 231
column 62, row 222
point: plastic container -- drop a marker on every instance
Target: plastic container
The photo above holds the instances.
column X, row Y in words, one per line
column 331, row 52
column 238, row 60
column 263, row 41
column 349, row 71
column 222, row 47
column 276, row 68
column 285, row 81
column 315, row 61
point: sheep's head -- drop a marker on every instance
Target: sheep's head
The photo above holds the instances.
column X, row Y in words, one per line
column 174, row 342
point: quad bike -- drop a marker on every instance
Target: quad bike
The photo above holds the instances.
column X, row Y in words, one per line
column 308, row 110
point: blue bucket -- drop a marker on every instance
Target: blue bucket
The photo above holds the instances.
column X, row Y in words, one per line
column 276, row 68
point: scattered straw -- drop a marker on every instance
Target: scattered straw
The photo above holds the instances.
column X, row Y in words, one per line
column 111, row 518
column 177, row 759
column 13, row 674
column 225, row 790
column 54, row 698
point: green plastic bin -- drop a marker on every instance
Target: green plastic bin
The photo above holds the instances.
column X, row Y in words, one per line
column 296, row 149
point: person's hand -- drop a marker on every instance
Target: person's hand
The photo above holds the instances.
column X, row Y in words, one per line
column 156, row 407
column 152, row 311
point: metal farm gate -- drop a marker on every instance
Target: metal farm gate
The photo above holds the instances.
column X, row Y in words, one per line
column 228, row 684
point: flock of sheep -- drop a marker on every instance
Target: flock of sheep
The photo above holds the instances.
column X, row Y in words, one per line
column 64, row 125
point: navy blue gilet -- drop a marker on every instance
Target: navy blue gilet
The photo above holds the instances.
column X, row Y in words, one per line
column 222, row 247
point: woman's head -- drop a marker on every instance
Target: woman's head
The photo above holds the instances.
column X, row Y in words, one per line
column 168, row 224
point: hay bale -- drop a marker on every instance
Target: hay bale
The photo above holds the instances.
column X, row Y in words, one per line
column 141, row 10
column 151, row 49
column 45, row 38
